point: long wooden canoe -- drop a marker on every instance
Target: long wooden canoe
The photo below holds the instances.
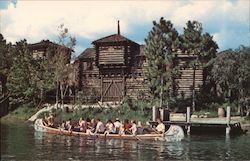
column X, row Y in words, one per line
column 174, row 133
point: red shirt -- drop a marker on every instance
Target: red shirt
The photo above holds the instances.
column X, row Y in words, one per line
column 127, row 126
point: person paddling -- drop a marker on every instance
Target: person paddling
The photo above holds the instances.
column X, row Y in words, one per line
column 110, row 128
column 126, row 126
column 133, row 128
column 99, row 127
column 69, row 125
column 50, row 120
column 118, row 126
column 160, row 128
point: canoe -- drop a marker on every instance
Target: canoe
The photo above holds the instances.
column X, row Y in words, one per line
column 174, row 133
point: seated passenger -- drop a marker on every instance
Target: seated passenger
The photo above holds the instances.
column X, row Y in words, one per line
column 118, row 126
column 63, row 125
column 88, row 123
column 99, row 127
column 93, row 125
column 50, row 120
column 82, row 125
column 133, row 128
column 68, row 125
column 110, row 128
column 126, row 126
column 160, row 128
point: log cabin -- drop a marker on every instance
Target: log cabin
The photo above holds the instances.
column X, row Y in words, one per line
column 49, row 50
column 58, row 56
column 115, row 67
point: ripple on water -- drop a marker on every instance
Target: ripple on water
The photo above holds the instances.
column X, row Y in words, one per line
column 23, row 143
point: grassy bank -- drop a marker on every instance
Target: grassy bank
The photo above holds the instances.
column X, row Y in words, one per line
column 139, row 111
column 22, row 113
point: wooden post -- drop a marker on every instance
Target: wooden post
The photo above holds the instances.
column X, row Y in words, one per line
column 188, row 120
column 228, row 120
column 161, row 114
column 101, row 87
column 154, row 113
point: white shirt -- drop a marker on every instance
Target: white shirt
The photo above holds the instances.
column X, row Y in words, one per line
column 100, row 127
column 160, row 127
column 117, row 124
column 133, row 128
column 110, row 127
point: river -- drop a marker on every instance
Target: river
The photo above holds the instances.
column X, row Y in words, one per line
column 21, row 142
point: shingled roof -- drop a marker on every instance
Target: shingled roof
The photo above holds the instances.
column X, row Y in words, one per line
column 45, row 44
column 87, row 53
column 112, row 39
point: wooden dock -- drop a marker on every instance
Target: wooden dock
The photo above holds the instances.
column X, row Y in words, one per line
column 222, row 125
column 207, row 128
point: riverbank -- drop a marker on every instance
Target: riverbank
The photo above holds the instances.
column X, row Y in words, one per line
column 139, row 111
column 22, row 113
column 122, row 112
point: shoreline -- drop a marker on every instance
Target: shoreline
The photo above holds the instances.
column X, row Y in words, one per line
column 24, row 114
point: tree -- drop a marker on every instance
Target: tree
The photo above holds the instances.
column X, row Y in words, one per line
column 160, row 48
column 5, row 54
column 22, row 76
column 66, row 45
column 29, row 77
column 231, row 71
column 200, row 46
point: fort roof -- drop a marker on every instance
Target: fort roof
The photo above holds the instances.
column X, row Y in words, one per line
column 45, row 44
column 113, row 39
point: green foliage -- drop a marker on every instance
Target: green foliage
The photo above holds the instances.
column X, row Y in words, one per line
column 199, row 45
column 21, row 79
column 61, row 75
column 23, row 112
column 160, row 45
column 5, row 55
column 231, row 71
column 139, row 111
column 28, row 77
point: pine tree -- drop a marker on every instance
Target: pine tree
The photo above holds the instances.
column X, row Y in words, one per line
column 199, row 45
column 160, row 48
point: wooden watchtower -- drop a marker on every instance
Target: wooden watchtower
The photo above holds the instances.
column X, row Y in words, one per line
column 114, row 55
column 111, row 67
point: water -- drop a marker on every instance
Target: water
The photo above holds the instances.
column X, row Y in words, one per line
column 21, row 142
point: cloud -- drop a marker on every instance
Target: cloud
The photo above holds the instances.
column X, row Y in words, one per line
column 90, row 20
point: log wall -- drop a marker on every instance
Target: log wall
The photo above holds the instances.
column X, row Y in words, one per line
column 109, row 55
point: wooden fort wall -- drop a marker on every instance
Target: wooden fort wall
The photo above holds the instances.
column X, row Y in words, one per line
column 187, row 74
column 118, row 69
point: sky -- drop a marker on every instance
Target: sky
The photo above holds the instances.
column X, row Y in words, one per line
column 228, row 21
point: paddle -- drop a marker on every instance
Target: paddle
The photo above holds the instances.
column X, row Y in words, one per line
column 134, row 135
column 157, row 132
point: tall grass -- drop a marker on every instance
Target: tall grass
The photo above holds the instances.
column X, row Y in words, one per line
column 135, row 110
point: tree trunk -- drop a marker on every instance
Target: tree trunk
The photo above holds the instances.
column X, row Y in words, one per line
column 57, row 92
column 193, row 90
column 161, row 91
column 61, row 93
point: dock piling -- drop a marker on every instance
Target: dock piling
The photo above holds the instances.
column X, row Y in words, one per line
column 188, row 115
column 154, row 113
column 228, row 120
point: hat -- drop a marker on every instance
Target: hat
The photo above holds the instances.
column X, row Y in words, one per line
column 117, row 119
